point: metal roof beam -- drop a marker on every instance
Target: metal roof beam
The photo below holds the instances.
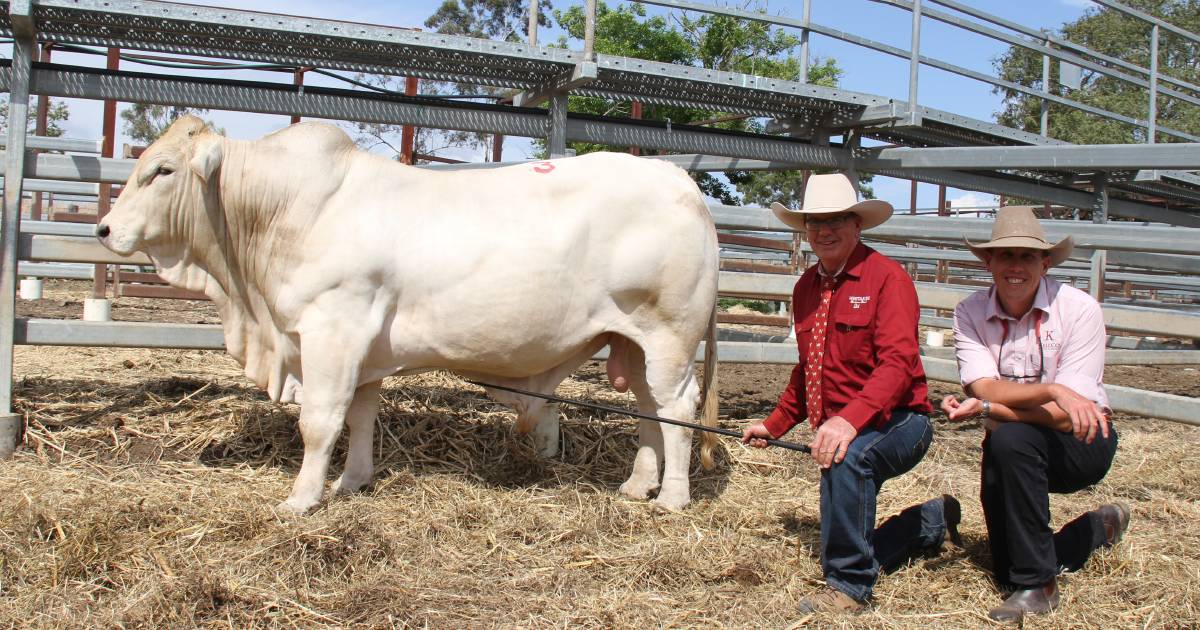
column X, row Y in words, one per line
column 584, row 72
column 1091, row 157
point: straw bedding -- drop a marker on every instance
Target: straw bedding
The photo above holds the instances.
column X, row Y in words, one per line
column 143, row 496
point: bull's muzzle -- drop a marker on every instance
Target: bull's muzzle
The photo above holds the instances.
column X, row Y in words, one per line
column 102, row 230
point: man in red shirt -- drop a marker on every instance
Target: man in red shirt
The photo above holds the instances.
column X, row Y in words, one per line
column 860, row 384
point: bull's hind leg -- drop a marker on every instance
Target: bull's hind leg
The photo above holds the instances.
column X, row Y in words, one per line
column 644, row 478
column 670, row 390
column 360, row 421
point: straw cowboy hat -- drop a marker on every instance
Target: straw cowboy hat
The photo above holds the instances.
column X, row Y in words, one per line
column 1016, row 226
column 827, row 194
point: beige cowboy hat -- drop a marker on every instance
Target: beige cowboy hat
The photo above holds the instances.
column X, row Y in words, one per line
column 1016, row 226
column 827, row 194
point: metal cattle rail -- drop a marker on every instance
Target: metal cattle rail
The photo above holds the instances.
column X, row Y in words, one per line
column 1146, row 183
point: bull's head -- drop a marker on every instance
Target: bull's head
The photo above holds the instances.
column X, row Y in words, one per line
column 166, row 188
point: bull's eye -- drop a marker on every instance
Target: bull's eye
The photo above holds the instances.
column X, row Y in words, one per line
column 164, row 170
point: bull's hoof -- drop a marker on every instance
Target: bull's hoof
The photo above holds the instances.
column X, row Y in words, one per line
column 345, row 485
column 671, row 501
column 637, row 489
column 548, row 450
column 292, row 508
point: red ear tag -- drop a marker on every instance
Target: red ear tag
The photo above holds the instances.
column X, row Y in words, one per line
column 544, row 167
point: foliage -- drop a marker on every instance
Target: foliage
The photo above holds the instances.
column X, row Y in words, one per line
column 145, row 122
column 371, row 136
column 754, row 305
column 486, row 19
column 1111, row 33
column 56, row 113
column 711, row 41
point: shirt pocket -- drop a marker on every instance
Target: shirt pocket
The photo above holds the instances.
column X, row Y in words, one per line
column 804, row 329
column 853, row 329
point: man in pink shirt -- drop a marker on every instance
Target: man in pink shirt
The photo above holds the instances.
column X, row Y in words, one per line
column 1031, row 359
column 860, row 384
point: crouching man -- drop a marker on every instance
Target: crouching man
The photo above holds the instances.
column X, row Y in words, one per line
column 1031, row 359
column 860, row 384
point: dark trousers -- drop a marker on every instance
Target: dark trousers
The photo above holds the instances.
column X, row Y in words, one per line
column 853, row 550
column 1022, row 465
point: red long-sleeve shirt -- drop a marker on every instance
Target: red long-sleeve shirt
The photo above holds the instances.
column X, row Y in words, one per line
column 872, row 361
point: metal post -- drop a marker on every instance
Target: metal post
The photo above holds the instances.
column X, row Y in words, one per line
column 912, row 200
column 14, row 172
column 533, row 22
column 557, row 140
column 408, row 134
column 1099, row 215
column 914, row 61
column 100, row 277
column 1152, row 118
column 1046, row 89
column 804, row 42
column 589, row 32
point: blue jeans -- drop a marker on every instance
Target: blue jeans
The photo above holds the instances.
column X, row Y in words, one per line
column 852, row 549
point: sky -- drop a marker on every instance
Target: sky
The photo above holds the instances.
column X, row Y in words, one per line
column 864, row 70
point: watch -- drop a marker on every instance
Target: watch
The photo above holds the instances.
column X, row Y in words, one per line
column 987, row 410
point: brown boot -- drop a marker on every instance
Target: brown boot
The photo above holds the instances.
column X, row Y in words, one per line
column 830, row 600
column 952, row 516
column 1115, row 517
column 1033, row 601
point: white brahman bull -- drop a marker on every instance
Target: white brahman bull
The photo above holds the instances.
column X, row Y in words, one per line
column 334, row 268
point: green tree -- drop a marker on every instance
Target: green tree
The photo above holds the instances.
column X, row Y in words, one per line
column 426, row 141
column 145, row 122
column 486, row 19
column 711, row 41
column 56, row 113
column 1117, row 35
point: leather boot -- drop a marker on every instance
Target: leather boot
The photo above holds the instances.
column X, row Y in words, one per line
column 830, row 600
column 1115, row 517
column 952, row 515
column 1034, row 601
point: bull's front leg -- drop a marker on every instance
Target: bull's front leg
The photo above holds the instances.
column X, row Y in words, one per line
column 330, row 381
column 360, row 420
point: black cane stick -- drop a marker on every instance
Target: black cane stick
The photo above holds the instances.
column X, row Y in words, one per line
column 803, row 448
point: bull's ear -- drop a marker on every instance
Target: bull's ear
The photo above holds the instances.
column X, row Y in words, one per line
column 206, row 157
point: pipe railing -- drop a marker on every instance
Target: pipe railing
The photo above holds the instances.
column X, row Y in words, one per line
column 1040, row 43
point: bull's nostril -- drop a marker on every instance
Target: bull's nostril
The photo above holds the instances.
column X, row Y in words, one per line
column 102, row 231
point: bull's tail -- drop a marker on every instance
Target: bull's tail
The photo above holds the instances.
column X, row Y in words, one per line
column 708, row 413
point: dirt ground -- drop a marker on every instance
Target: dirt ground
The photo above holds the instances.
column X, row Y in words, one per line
column 143, row 498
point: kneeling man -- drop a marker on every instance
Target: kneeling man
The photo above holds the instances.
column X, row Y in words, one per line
column 860, row 384
column 1031, row 359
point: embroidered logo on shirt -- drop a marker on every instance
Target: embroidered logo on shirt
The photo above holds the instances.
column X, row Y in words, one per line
column 857, row 301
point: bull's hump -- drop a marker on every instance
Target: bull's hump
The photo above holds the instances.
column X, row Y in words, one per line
column 312, row 136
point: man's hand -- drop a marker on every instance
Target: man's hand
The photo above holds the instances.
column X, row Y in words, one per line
column 756, row 435
column 832, row 441
column 959, row 411
column 1085, row 415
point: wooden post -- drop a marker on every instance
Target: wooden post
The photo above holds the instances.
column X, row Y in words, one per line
column 635, row 112
column 43, row 122
column 298, row 81
column 408, row 133
column 100, row 277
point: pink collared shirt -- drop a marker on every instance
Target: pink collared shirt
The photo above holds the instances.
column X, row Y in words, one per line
column 1072, row 335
